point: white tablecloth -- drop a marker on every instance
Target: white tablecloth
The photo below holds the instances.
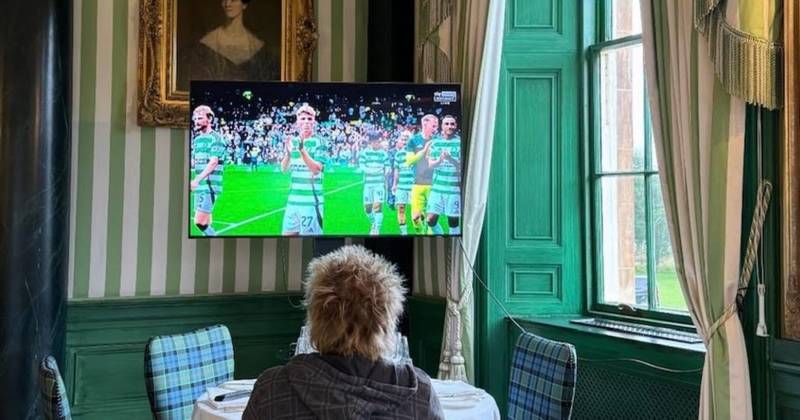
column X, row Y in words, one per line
column 463, row 401
column 459, row 400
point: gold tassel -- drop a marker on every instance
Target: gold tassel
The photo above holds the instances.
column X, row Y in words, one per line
column 702, row 10
column 444, row 365
column 747, row 66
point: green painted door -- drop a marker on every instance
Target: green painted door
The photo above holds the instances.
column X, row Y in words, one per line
column 532, row 248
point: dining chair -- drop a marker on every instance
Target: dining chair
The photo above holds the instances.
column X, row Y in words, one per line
column 53, row 402
column 542, row 380
column 179, row 368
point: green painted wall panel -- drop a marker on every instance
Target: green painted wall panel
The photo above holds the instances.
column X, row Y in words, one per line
column 104, row 370
column 544, row 25
column 538, row 282
column 425, row 332
column 535, row 13
column 533, row 231
column 533, row 216
column 784, row 369
column 532, row 253
column 532, row 138
column 100, row 364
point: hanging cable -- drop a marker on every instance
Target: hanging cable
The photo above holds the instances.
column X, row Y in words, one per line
column 485, row 287
column 641, row 362
column 522, row 330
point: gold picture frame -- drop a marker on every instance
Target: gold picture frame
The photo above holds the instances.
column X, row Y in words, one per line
column 161, row 101
column 790, row 170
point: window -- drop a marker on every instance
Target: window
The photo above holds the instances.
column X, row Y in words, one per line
column 634, row 271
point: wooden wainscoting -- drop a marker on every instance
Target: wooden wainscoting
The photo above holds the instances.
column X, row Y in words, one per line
column 104, row 370
column 426, row 324
column 785, row 366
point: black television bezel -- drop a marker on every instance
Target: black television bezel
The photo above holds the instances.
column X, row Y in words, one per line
column 240, row 84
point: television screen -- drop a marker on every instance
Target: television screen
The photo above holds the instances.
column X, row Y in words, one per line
column 324, row 159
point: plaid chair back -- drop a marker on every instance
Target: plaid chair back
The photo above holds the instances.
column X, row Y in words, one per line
column 542, row 382
column 54, row 403
column 179, row 368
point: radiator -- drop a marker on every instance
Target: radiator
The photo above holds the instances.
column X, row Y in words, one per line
column 602, row 393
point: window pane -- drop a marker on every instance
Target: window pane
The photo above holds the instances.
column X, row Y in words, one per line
column 624, row 244
column 668, row 290
column 622, row 109
column 626, row 18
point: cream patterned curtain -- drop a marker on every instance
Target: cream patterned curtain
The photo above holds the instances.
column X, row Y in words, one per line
column 461, row 41
column 700, row 70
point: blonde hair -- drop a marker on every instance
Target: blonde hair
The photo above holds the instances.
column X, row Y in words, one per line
column 429, row 117
column 203, row 110
column 306, row 109
column 354, row 299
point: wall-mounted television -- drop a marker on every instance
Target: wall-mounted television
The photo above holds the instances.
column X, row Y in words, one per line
column 272, row 159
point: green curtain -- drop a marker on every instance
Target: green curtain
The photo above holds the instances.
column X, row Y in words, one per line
column 698, row 127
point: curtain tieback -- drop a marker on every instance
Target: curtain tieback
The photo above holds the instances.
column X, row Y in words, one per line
column 451, row 365
column 452, row 307
column 730, row 310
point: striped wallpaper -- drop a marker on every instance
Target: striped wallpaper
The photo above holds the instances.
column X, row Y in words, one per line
column 128, row 209
column 431, row 266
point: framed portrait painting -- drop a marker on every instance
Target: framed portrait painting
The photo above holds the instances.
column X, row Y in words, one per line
column 183, row 40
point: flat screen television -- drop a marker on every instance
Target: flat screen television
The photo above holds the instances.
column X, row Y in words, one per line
column 273, row 159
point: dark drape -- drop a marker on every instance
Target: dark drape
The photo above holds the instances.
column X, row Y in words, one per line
column 34, row 195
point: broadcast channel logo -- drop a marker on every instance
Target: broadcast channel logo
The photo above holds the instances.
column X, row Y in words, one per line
column 445, row 97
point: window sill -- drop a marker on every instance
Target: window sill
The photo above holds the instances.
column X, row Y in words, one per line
column 563, row 322
column 674, row 320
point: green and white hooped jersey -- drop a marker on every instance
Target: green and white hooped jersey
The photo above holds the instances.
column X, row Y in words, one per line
column 373, row 163
column 406, row 178
column 446, row 176
column 304, row 185
column 204, row 147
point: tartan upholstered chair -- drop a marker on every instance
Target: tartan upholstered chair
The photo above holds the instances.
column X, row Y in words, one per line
column 54, row 403
column 179, row 368
column 542, row 382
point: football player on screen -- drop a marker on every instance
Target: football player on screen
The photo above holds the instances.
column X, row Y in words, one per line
column 374, row 161
column 208, row 157
column 403, row 179
column 419, row 145
column 445, row 159
column 303, row 158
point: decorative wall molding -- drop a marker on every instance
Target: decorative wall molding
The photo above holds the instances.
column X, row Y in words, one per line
column 104, row 365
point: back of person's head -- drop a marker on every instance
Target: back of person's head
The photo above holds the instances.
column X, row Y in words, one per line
column 354, row 299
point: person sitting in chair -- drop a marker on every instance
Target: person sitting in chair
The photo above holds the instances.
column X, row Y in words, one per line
column 353, row 300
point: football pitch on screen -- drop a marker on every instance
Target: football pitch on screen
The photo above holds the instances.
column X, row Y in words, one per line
column 253, row 201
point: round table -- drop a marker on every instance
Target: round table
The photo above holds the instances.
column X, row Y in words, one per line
column 463, row 401
column 459, row 400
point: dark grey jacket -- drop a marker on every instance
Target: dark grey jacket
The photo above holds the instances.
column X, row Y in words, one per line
column 313, row 386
